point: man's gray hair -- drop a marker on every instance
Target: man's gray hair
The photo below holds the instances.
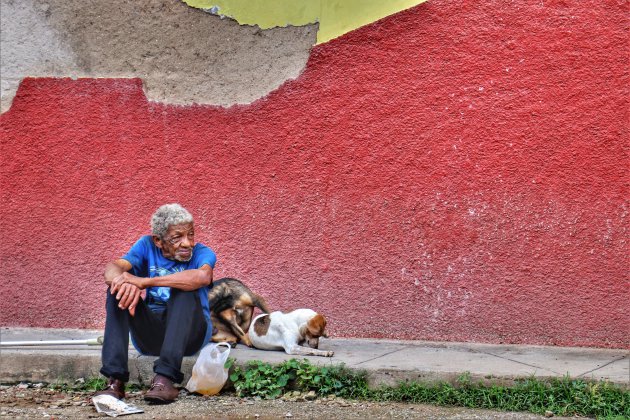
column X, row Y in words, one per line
column 168, row 215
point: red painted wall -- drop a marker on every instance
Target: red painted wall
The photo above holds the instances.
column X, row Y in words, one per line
column 457, row 171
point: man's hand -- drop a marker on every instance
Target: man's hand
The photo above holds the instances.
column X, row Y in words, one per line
column 127, row 289
column 128, row 296
column 127, row 278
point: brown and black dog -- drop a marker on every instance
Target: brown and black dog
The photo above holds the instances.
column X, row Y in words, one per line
column 231, row 309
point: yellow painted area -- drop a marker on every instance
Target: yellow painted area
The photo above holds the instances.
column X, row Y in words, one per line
column 264, row 13
column 335, row 17
column 338, row 17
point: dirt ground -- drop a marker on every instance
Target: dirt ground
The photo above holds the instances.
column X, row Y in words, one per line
column 39, row 401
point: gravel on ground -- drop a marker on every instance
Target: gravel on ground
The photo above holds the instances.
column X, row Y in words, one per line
column 29, row 401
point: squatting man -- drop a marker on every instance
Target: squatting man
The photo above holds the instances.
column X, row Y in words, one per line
column 173, row 320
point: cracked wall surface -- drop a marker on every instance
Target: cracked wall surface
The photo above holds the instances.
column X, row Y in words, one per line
column 183, row 55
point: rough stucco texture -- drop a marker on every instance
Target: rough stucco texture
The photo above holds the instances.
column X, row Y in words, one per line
column 457, row 171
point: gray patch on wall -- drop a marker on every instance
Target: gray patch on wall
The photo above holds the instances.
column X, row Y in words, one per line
column 183, row 55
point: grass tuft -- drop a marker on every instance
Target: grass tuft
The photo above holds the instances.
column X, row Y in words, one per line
column 564, row 397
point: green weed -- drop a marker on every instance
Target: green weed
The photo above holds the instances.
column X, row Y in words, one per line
column 263, row 380
column 88, row 385
column 565, row 397
column 562, row 397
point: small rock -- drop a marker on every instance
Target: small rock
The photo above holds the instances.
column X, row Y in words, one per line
column 288, row 415
column 256, row 415
column 310, row 396
column 80, row 381
column 548, row 413
column 23, row 385
column 38, row 385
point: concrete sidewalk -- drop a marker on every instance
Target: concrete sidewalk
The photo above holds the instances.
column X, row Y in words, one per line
column 386, row 361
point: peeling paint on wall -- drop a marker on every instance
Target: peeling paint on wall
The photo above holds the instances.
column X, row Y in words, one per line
column 182, row 54
column 335, row 17
column 264, row 14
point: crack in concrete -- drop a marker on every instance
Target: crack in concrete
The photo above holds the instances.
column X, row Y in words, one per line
column 517, row 361
column 606, row 364
column 136, row 362
column 382, row 355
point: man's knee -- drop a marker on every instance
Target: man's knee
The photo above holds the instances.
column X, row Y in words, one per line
column 184, row 299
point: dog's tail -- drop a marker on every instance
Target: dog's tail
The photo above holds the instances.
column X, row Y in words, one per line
column 260, row 303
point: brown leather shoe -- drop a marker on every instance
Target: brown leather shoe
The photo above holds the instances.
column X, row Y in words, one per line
column 115, row 388
column 162, row 391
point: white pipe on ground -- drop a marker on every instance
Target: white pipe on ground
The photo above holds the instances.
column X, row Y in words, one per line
column 89, row 342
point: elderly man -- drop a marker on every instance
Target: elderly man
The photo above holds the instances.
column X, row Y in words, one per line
column 173, row 320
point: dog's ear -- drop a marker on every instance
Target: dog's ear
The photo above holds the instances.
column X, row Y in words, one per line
column 303, row 331
column 317, row 325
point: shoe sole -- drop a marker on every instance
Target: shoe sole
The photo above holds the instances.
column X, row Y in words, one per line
column 157, row 400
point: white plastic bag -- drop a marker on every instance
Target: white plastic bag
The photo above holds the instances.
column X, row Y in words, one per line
column 209, row 373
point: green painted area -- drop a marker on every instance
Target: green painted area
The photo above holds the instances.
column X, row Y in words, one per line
column 335, row 17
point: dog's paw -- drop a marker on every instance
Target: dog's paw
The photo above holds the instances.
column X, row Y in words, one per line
column 329, row 354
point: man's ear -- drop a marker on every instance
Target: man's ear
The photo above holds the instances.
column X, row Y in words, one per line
column 157, row 241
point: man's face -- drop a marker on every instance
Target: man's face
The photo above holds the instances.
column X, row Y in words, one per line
column 178, row 242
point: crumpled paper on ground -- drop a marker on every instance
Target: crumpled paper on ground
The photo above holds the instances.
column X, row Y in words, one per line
column 113, row 407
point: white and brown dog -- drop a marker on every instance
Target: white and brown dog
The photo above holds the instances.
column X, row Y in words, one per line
column 291, row 332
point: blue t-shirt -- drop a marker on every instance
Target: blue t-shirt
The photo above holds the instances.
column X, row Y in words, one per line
column 147, row 260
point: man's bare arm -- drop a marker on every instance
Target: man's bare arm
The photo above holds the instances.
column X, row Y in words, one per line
column 116, row 268
column 186, row 280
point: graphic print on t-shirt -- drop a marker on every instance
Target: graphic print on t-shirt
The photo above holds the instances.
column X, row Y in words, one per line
column 162, row 293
